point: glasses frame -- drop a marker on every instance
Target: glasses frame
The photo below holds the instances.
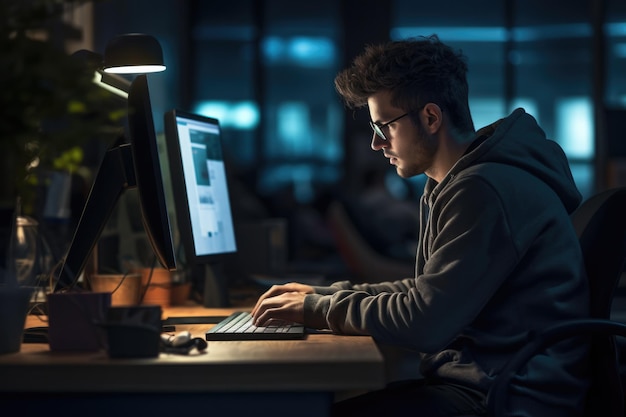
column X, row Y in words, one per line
column 378, row 128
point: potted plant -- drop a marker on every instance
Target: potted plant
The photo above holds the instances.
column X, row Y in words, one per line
column 50, row 108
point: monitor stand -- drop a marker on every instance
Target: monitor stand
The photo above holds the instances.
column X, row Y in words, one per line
column 215, row 286
column 115, row 175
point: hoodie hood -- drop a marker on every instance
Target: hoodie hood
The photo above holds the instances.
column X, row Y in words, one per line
column 517, row 140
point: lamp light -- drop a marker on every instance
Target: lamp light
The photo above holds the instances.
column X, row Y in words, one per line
column 133, row 53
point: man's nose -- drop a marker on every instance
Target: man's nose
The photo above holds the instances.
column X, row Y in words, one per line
column 377, row 142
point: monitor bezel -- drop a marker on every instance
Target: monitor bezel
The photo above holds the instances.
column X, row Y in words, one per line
column 149, row 174
column 181, row 197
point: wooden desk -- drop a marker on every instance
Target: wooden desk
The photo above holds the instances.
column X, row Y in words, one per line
column 230, row 378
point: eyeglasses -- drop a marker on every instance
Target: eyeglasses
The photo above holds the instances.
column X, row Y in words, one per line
column 378, row 128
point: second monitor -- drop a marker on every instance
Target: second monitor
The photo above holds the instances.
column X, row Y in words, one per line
column 202, row 201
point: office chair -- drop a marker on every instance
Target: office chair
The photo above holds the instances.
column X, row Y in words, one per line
column 600, row 223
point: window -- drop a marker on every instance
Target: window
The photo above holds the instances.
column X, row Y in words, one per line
column 268, row 76
column 549, row 61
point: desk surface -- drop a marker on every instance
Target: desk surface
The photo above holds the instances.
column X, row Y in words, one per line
column 321, row 362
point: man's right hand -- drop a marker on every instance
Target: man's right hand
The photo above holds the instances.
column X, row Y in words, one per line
column 281, row 289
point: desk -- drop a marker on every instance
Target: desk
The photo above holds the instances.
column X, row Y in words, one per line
column 230, row 378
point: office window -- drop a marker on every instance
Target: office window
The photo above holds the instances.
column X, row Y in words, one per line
column 222, row 57
column 549, row 64
column 266, row 71
column 615, row 32
column 480, row 36
column 554, row 65
column 302, row 142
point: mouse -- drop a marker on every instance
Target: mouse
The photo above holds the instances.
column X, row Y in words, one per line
column 177, row 340
column 182, row 343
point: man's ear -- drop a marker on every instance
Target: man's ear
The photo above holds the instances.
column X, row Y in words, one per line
column 432, row 117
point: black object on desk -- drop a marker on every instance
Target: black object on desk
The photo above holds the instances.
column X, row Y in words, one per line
column 193, row 320
column 133, row 331
column 35, row 335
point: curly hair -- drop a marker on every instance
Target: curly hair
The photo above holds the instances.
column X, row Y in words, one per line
column 416, row 71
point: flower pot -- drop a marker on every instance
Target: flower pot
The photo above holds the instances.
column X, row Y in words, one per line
column 14, row 303
column 125, row 289
column 156, row 284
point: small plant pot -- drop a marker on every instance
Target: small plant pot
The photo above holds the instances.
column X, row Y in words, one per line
column 74, row 319
column 125, row 289
column 156, row 286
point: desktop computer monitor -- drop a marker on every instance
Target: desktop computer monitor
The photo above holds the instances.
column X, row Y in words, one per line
column 200, row 190
column 129, row 165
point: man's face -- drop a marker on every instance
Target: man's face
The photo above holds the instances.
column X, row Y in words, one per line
column 408, row 146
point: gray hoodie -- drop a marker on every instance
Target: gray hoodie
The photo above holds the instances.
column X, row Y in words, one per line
column 497, row 257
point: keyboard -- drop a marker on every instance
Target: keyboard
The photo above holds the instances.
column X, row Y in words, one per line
column 238, row 326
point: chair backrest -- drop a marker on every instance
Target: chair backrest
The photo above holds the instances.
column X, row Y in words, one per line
column 600, row 223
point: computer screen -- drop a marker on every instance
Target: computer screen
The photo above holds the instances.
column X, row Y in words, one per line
column 200, row 189
column 129, row 165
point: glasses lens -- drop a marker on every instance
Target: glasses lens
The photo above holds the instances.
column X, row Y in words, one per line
column 378, row 130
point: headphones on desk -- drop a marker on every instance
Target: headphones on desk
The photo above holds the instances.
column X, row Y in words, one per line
column 181, row 343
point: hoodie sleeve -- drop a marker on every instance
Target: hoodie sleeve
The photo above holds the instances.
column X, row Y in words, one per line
column 373, row 289
column 471, row 251
column 317, row 304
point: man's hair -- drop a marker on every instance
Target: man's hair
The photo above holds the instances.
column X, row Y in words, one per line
column 416, row 71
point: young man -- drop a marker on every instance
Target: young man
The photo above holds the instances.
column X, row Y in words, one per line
column 497, row 253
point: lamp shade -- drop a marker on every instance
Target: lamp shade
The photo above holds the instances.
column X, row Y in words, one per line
column 133, row 53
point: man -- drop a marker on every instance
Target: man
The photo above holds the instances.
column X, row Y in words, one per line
column 497, row 253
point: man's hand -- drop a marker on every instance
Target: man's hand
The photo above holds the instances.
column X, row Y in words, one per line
column 281, row 302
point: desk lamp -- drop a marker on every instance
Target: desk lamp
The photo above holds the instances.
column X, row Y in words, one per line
column 132, row 53
column 134, row 164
